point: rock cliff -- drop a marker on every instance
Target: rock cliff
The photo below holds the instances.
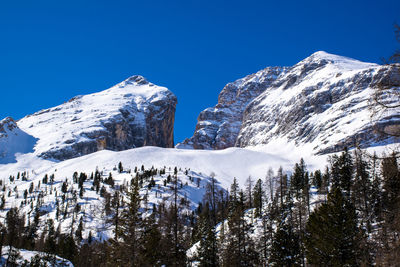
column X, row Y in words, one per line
column 219, row 126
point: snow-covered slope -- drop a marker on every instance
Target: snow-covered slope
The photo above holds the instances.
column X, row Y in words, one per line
column 195, row 167
column 13, row 140
column 226, row 164
column 322, row 102
column 130, row 114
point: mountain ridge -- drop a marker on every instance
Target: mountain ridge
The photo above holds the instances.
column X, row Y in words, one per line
column 320, row 83
column 132, row 113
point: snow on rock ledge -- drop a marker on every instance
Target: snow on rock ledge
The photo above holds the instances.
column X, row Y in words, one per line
column 133, row 113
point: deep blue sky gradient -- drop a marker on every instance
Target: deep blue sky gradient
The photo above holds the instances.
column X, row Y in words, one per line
column 51, row 51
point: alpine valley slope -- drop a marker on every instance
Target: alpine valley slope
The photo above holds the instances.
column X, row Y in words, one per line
column 133, row 113
column 320, row 105
column 196, row 167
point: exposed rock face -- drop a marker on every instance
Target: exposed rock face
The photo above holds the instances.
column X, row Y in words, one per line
column 13, row 140
column 218, row 127
column 131, row 114
column 323, row 103
column 7, row 125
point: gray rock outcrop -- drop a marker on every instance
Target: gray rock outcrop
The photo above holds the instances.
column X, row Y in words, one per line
column 219, row 126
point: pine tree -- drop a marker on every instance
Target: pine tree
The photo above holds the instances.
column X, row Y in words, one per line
column 120, row 168
column 269, row 184
column 249, row 192
column 66, row 247
column 362, row 190
column 130, row 227
column 240, row 248
column 151, row 248
column 332, row 236
column 258, row 195
column 50, row 245
column 299, row 183
column 264, row 242
column 389, row 254
column 115, row 219
column 78, row 232
column 207, row 250
column 342, row 172
column 211, row 198
column 3, row 234
column 15, row 225
column 285, row 249
column 317, row 180
column 283, row 185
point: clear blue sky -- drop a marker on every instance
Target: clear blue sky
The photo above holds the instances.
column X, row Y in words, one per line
column 51, row 51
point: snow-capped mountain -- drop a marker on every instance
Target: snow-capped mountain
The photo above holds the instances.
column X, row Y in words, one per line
column 133, row 113
column 219, row 126
column 321, row 103
column 324, row 102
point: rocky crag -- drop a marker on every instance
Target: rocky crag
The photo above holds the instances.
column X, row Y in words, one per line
column 219, row 126
column 131, row 114
column 323, row 102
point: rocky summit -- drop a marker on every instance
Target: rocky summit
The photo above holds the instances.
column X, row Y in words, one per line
column 131, row 114
column 218, row 127
column 323, row 102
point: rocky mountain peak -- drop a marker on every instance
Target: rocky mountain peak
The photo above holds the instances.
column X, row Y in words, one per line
column 322, row 102
column 130, row 114
column 135, row 79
